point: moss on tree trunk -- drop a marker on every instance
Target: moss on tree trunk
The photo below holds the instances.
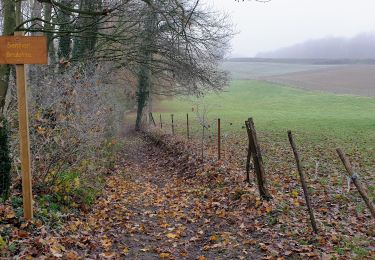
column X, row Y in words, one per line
column 5, row 161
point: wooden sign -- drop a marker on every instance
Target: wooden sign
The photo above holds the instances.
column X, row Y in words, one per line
column 20, row 50
column 23, row 50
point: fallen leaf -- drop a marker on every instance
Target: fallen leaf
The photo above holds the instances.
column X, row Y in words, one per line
column 171, row 235
column 164, row 255
column 213, row 238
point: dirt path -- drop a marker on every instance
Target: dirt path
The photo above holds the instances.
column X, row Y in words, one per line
column 149, row 212
column 163, row 202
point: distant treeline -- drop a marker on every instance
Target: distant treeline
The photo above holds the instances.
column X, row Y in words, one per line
column 356, row 48
column 306, row 61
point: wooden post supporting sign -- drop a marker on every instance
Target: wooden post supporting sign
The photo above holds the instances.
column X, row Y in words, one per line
column 20, row 50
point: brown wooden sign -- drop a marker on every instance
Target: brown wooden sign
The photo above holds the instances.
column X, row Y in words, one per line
column 20, row 50
column 23, row 50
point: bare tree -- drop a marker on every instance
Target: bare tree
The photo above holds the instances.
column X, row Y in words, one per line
column 173, row 48
column 164, row 47
column 185, row 49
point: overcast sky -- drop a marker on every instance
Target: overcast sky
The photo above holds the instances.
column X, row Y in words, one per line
column 280, row 23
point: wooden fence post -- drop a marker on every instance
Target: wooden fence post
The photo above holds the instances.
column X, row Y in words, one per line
column 172, row 124
column 257, row 159
column 303, row 182
column 202, row 150
column 152, row 119
column 161, row 123
column 248, row 158
column 187, row 126
column 218, row 139
column 356, row 181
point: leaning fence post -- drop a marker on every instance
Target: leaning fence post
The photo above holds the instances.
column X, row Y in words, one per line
column 172, row 124
column 356, row 181
column 218, row 139
column 152, row 119
column 258, row 160
column 187, row 126
column 161, row 123
column 302, row 177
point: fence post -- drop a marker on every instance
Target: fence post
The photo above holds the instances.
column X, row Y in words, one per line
column 356, row 181
column 202, row 150
column 258, row 160
column 187, row 126
column 218, row 139
column 161, row 123
column 248, row 159
column 303, row 182
column 172, row 124
column 152, row 119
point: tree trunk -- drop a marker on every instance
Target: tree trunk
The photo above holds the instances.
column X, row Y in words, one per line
column 5, row 161
column 64, row 18
column 36, row 12
column 145, row 74
column 49, row 27
column 85, row 43
column 144, row 79
column 9, row 25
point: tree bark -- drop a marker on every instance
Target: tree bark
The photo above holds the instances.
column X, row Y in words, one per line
column 36, row 12
column 85, row 43
column 144, row 78
column 145, row 73
column 9, row 14
column 49, row 27
column 64, row 18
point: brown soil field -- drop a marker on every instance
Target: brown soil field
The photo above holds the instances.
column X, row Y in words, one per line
column 349, row 79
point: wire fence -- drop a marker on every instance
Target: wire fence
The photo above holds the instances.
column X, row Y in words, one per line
column 234, row 145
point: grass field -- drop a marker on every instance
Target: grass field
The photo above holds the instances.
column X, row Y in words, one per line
column 317, row 117
column 350, row 79
column 255, row 70
column 320, row 123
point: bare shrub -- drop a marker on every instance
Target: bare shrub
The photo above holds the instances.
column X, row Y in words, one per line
column 74, row 120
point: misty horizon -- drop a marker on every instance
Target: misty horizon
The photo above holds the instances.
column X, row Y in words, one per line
column 360, row 46
column 274, row 25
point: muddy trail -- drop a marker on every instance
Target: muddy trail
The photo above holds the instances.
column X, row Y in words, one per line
column 149, row 210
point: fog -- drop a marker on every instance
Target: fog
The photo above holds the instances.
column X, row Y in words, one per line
column 359, row 47
column 265, row 27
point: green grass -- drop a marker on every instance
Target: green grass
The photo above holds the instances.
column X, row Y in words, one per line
column 252, row 70
column 318, row 116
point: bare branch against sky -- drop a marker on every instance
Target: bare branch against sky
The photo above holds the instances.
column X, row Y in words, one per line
column 280, row 23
